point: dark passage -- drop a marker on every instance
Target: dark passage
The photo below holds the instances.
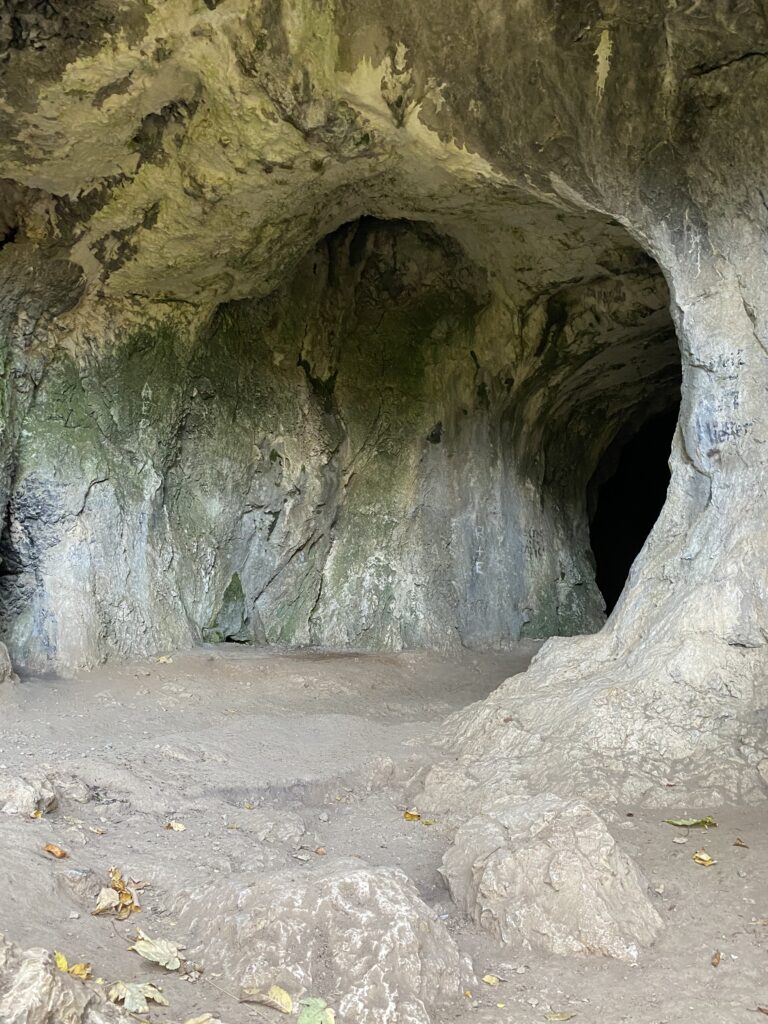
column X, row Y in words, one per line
column 625, row 497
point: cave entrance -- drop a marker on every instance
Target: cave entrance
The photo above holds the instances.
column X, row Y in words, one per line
column 626, row 495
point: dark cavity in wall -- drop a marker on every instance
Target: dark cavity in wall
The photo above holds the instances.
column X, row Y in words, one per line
column 626, row 495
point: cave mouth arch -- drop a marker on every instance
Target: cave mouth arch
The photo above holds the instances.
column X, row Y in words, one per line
column 625, row 496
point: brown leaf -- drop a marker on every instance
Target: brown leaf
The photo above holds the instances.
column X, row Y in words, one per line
column 55, row 851
column 703, row 858
column 740, row 842
column 716, row 958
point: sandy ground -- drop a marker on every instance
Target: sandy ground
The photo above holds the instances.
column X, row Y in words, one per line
column 232, row 742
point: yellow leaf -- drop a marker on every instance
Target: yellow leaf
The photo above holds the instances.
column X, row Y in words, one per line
column 427, row 821
column 275, row 998
column 61, row 961
column 501, row 1006
column 116, row 879
column 176, row 826
column 81, row 971
column 412, row 816
column 554, row 1015
column 491, row 979
column 703, row 858
column 467, row 993
column 165, row 659
column 36, row 814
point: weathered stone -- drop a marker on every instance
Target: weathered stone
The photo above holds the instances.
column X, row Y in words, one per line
column 361, row 936
column 7, row 675
column 34, row 991
column 27, row 794
column 547, row 874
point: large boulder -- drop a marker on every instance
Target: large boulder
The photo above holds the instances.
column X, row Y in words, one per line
column 360, row 937
column 547, row 874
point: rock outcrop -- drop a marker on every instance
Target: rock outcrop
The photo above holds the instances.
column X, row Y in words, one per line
column 318, row 318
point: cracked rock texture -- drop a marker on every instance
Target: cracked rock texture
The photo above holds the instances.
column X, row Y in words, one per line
column 547, row 874
column 27, row 795
column 34, row 991
column 359, row 935
column 348, row 462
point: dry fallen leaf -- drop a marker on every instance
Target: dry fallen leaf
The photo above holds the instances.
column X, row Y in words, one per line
column 81, row 971
column 467, row 994
column 563, row 1015
column 119, row 896
column 175, row 826
column 716, row 958
column 275, row 998
column 159, row 951
column 55, row 851
column 704, row 823
column 740, row 842
column 412, row 816
column 165, row 659
column 680, row 839
column 703, row 858
column 204, row 1018
column 107, row 900
column 491, row 979
column 427, row 821
column 321, row 851
column 135, row 997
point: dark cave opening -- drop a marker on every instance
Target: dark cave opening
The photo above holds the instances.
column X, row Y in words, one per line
column 626, row 495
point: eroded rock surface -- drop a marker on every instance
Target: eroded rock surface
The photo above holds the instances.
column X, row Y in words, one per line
column 34, row 991
column 7, row 675
column 360, row 936
column 547, row 874
column 28, row 794
column 317, row 319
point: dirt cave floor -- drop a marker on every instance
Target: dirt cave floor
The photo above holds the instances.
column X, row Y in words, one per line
column 277, row 760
